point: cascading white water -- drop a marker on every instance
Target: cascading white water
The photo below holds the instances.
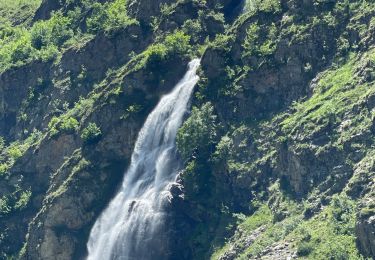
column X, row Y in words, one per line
column 131, row 226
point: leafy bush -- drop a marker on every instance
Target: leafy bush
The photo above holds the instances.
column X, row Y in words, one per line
column 41, row 34
column 198, row 132
column 117, row 15
column 193, row 28
column 269, row 6
column 155, row 54
column 109, row 16
column 91, row 134
column 55, row 31
column 304, row 248
column 60, row 28
column 98, row 18
column 330, row 235
column 20, row 45
column 21, row 50
column 23, row 200
column 259, row 40
column 14, row 152
column 3, row 168
column 4, row 206
column 173, row 44
column 69, row 125
column 17, row 11
column 222, row 42
column 62, row 124
column 177, row 43
column 223, row 149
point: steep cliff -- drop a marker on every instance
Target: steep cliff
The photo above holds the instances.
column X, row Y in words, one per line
column 278, row 150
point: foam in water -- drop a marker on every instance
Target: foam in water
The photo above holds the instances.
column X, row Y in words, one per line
column 132, row 225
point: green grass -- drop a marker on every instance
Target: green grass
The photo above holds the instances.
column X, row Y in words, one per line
column 330, row 234
column 17, row 11
column 262, row 216
column 337, row 92
column 9, row 154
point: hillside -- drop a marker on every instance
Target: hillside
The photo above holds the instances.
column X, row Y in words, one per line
column 276, row 156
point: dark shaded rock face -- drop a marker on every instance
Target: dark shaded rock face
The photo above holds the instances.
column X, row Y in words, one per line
column 46, row 8
column 93, row 60
column 365, row 231
column 365, row 226
column 14, row 88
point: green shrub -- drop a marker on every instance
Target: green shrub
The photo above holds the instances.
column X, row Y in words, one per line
column 329, row 235
column 109, row 16
column 98, row 18
column 177, row 43
column 4, row 206
column 223, row 149
column 52, row 125
column 155, row 54
column 91, row 134
column 69, row 125
column 304, row 248
column 3, row 168
column 21, row 50
column 23, row 200
column 41, row 42
column 260, row 41
column 61, row 28
column 193, row 28
column 117, row 15
column 269, row 6
column 41, row 34
column 221, row 42
column 198, row 132
column 14, row 151
column 55, row 31
column 63, row 124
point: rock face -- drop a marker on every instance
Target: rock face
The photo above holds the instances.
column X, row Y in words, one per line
column 366, row 234
column 18, row 81
column 62, row 82
column 241, row 244
column 365, row 226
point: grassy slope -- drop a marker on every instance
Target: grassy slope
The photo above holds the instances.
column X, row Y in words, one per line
column 17, row 11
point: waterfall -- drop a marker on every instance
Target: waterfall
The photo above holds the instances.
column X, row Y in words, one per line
column 132, row 225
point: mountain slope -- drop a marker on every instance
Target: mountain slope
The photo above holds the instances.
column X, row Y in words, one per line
column 278, row 149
